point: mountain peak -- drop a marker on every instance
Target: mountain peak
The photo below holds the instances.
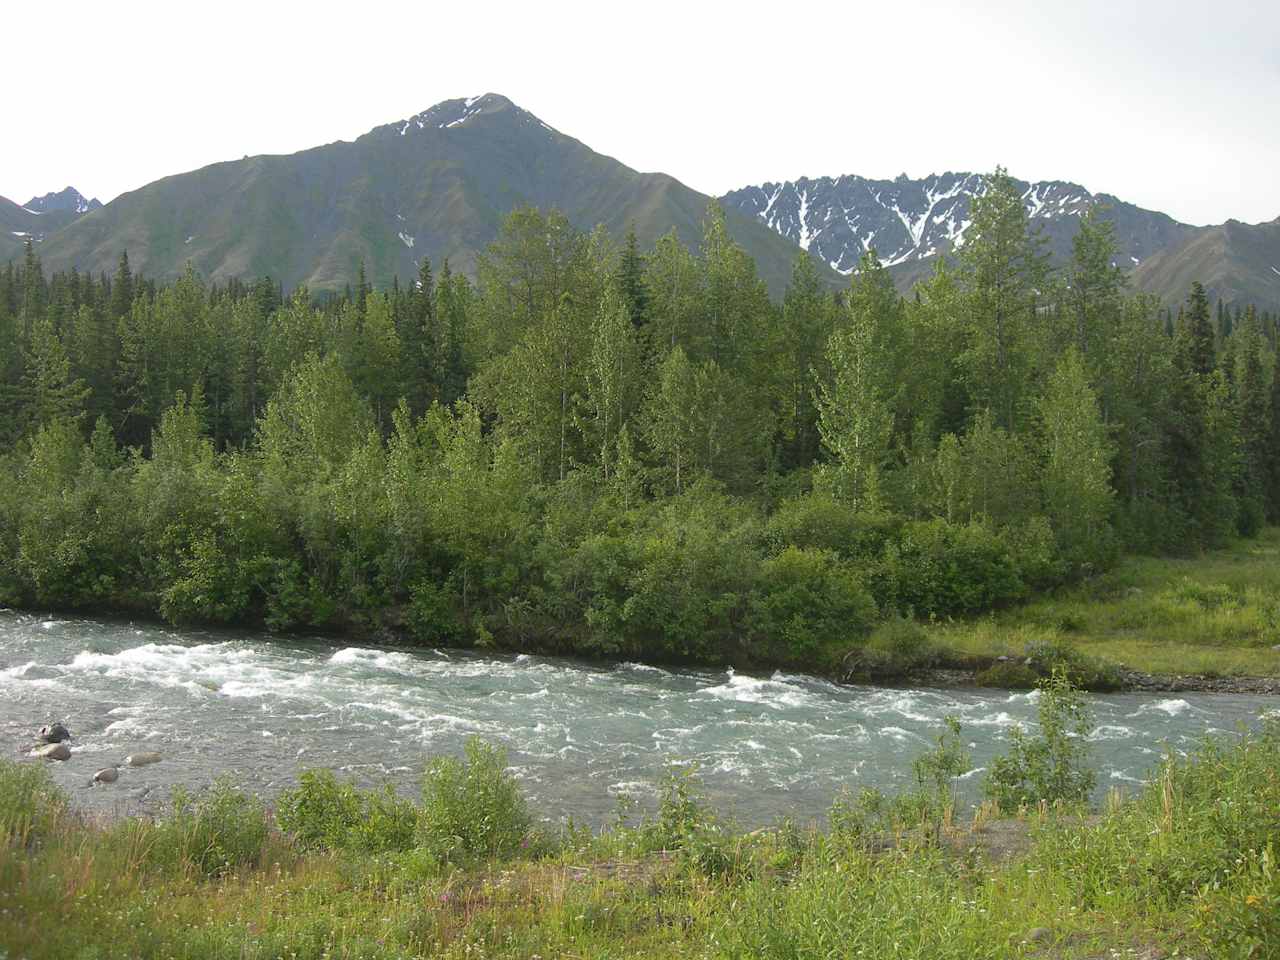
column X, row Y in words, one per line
column 67, row 200
column 454, row 113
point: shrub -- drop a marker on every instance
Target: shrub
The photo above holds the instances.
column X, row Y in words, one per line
column 326, row 813
column 821, row 522
column 936, row 568
column 807, row 598
column 211, row 833
column 1050, row 655
column 472, row 808
column 432, row 616
column 682, row 810
column 31, row 804
column 1054, row 765
column 1211, row 596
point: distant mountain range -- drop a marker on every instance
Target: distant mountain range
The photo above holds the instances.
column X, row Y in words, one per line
column 910, row 223
column 439, row 184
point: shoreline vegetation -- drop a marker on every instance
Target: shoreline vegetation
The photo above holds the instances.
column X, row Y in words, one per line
column 595, row 450
column 1186, row 866
column 1209, row 623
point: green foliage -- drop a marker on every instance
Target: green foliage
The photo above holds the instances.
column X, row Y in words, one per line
column 1008, row 675
column 616, row 451
column 472, row 808
column 32, row 806
column 210, row 833
column 938, row 568
column 897, row 648
column 325, row 813
column 1052, row 766
column 808, row 599
column 1051, row 656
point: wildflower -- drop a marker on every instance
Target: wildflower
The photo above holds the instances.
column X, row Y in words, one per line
column 1253, row 900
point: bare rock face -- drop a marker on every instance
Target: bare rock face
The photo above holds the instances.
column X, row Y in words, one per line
column 142, row 759
column 53, row 733
column 106, row 775
column 52, row 751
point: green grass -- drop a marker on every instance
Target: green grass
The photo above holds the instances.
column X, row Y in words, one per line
column 1187, row 866
column 1217, row 614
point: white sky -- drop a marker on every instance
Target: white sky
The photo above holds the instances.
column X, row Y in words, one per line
column 1169, row 104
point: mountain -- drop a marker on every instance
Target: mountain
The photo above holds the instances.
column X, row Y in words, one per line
column 435, row 184
column 909, row 222
column 1237, row 262
column 67, row 200
column 39, row 218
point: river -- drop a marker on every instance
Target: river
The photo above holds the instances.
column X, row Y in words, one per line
column 260, row 709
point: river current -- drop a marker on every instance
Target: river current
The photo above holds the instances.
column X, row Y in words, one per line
column 260, row 710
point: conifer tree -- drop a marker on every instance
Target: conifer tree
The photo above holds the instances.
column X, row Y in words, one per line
column 630, row 280
column 1005, row 270
column 122, row 292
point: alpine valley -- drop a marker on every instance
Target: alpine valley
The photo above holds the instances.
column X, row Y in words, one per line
column 439, row 184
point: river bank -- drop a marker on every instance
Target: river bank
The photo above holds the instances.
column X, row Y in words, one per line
column 1177, row 870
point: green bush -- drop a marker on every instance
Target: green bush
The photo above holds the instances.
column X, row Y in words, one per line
column 323, row 812
column 211, row 833
column 1050, row 655
column 433, row 613
column 31, row 804
column 1052, row 766
column 807, row 599
column 472, row 808
column 936, row 568
column 818, row 521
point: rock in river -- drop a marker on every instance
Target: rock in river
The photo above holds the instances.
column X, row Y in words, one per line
column 52, row 751
column 53, row 733
column 106, row 775
column 142, row 759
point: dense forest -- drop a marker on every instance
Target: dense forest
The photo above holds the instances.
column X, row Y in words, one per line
column 599, row 449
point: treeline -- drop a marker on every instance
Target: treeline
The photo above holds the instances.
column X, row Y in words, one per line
column 602, row 449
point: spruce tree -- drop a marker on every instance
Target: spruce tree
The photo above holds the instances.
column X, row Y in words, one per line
column 1271, row 453
column 630, row 280
column 122, row 291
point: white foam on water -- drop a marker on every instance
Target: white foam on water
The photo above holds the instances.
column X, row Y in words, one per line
column 1110, row 731
column 632, row 788
column 1172, row 708
column 642, row 668
column 774, row 694
column 1121, row 775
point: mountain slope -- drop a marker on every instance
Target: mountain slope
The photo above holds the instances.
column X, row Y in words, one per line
column 1237, row 262
column 438, row 184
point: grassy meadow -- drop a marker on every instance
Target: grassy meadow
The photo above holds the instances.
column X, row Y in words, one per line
column 1215, row 614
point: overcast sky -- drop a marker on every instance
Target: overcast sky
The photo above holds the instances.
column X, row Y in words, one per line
column 1169, row 104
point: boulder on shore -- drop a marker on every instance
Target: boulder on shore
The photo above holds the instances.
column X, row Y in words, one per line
column 52, row 751
column 53, row 733
column 141, row 759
